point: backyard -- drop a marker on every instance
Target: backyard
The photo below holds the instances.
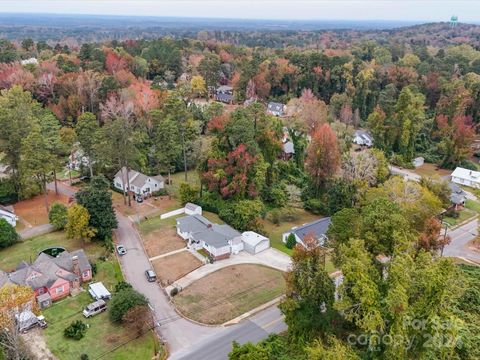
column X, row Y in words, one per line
column 229, row 292
column 32, row 212
column 102, row 339
column 173, row 267
column 28, row 249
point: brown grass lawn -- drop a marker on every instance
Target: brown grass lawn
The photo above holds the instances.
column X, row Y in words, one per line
column 149, row 207
column 174, row 267
column 162, row 241
column 33, row 210
column 229, row 292
column 429, row 170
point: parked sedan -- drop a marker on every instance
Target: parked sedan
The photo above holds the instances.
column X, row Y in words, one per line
column 151, row 276
column 121, row 250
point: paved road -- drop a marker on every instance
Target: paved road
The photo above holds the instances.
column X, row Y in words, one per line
column 178, row 332
column 185, row 339
column 461, row 236
column 253, row 329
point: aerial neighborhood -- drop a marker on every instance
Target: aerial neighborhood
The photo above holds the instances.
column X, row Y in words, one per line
column 238, row 190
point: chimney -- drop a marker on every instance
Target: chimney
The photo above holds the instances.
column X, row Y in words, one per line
column 75, row 266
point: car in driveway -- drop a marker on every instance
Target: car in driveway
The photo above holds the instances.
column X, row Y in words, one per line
column 151, row 276
column 121, row 250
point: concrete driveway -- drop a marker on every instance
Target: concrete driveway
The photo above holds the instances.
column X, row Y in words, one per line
column 271, row 257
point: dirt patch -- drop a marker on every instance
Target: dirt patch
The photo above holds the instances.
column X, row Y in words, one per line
column 162, row 241
column 229, row 292
column 33, row 210
column 148, row 208
column 173, row 267
column 37, row 345
column 429, row 170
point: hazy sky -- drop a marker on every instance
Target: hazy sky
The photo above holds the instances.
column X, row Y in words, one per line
column 428, row 10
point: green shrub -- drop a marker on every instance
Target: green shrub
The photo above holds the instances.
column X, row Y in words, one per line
column 8, row 234
column 174, row 292
column 57, row 216
column 243, row 214
column 123, row 301
column 8, row 195
column 84, row 357
column 316, row 206
column 122, row 285
column 274, row 216
column 76, row 330
column 188, row 193
column 291, row 241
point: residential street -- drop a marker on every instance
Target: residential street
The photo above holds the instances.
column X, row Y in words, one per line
column 185, row 339
column 461, row 236
column 253, row 329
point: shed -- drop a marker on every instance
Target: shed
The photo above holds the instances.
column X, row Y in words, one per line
column 419, row 161
column 44, row 300
column 193, row 209
column 99, row 291
column 254, row 243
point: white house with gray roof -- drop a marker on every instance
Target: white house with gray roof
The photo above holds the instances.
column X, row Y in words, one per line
column 140, row 184
column 277, row 109
column 361, row 137
column 220, row 241
column 317, row 228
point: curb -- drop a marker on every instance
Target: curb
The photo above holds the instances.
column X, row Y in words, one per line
column 253, row 312
column 473, row 218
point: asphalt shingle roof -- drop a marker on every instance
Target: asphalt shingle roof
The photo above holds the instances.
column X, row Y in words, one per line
column 318, row 227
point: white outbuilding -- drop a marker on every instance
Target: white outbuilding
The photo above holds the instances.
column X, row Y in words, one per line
column 99, row 291
column 254, row 243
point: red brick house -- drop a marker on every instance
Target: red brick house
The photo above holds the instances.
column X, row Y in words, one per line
column 53, row 278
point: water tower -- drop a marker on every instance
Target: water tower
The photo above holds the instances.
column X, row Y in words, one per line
column 453, row 20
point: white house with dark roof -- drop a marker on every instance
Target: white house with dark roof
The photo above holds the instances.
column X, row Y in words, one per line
column 317, row 228
column 277, row 109
column 140, row 184
column 363, row 138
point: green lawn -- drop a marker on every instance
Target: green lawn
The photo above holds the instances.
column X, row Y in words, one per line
column 465, row 214
column 473, row 205
column 179, row 178
column 28, row 249
column 102, row 337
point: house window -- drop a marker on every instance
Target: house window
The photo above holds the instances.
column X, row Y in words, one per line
column 59, row 290
column 118, row 185
column 155, row 185
column 85, row 274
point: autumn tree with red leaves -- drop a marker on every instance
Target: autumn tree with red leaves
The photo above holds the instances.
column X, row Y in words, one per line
column 431, row 238
column 240, row 175
column 457, row 136
column 323, row 156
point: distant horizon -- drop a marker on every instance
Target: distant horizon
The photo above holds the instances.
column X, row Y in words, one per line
column 424, row 11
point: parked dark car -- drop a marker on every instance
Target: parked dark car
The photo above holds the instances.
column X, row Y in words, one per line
column 150, row 274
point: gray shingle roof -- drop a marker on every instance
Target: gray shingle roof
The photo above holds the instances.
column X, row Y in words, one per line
column 49, row 269
column 193, row 223
column 201, row 229
column 275, row 107
column 3, row 278
column 212, row 238
column 318, row 227
column 226, row 98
